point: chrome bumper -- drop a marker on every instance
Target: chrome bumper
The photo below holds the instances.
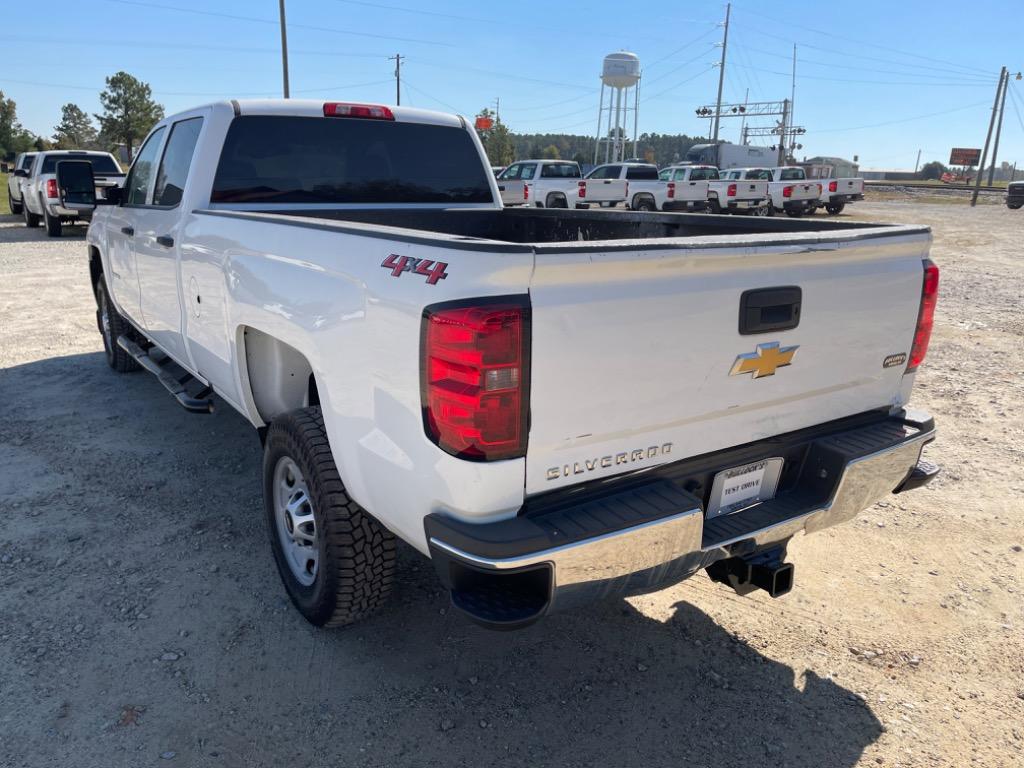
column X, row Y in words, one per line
column 647, row 556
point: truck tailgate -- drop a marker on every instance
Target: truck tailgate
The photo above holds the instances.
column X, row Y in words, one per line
column 634, row 345
column 605, row 190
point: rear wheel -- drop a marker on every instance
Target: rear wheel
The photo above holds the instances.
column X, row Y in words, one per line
column 337, row 563
column 714, row 206
column 53, row 226
column 796, row 213
column 112, row 325
column 15, row 207
column 644, row 204
column 555, row 201
column 1014, row 206
column 834, row 209
column 31, row 219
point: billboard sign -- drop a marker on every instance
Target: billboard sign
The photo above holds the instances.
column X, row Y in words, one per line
column 964, row 156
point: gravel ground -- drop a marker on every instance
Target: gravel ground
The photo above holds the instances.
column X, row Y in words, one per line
column 142, row 622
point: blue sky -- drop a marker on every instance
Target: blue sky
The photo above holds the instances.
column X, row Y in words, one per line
column 877, row 79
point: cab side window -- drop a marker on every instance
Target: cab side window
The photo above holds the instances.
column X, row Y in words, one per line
column 143, row 169
column 170, row 180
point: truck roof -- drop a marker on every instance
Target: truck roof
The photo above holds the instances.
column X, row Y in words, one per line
column 315, row 108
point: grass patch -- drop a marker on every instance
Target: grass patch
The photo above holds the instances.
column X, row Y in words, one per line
column 5, row 207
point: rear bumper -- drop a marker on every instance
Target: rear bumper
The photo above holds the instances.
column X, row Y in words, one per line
column 684, row 205
column 746, row 205
column 835, row 199
column 645, row 531
column 800, row 205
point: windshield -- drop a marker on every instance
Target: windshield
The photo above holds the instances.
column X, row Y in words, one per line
column 289, row 159
column 100, row 163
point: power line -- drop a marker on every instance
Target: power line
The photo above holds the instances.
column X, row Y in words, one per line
column 865, row 42
column 904, row 120
column 683, row 47
column 502, row 75
column 225, row 94
column 421, row 92
column 256, row 20
column 972, row 84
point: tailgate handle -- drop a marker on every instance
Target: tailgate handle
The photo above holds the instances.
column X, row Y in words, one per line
column 764, row 310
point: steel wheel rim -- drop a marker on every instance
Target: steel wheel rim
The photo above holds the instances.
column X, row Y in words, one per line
column 295, row 522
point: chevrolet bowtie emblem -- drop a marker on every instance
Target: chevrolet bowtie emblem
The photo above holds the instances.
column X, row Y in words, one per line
column 764, row 361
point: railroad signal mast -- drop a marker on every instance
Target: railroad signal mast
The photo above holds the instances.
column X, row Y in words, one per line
column 786, row 132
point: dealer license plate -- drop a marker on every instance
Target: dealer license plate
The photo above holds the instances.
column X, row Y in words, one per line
column 741, row 487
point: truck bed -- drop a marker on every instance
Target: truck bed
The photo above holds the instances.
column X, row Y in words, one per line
column 545, row 230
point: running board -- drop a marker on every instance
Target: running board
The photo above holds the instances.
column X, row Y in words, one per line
column 200, row 403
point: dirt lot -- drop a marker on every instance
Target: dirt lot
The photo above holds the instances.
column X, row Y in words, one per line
column 142, row 621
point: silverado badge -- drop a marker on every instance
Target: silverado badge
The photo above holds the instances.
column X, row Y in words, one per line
column 764, row 360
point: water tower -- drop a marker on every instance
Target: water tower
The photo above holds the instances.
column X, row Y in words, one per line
column 620, row 75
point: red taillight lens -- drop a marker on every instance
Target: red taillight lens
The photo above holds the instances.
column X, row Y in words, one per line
column 582, row 188
column 833, row 186
column 671, row 190
column 731, row 191
column 787, row 191
column 365, row 111
column 925, row 315
column 526, row 191
column 51, row 188
column 475, row 378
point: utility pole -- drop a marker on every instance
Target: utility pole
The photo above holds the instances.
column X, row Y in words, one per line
column 284, row 49
column 917, row 162
column 397, row 58
column 743, row 124
column 999, row 128
column 988, row 138
column 721, row 72
column 792, row 92
column 497, row 109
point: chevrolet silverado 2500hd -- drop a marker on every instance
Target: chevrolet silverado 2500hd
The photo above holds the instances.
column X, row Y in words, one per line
column 725, row 195
column 788, row 189
column 22, row 164
column 541, row 183
column 552, row 405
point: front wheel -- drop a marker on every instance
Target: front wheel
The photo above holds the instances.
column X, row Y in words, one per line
column 761, row 210
column 834, row 209
column 15, row 207
column 112, row 325
column 337, row 563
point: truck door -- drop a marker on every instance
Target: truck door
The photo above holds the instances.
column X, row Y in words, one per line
column 156, row 240
column 123, row 277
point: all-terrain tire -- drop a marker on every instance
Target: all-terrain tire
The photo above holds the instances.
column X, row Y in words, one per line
column 714, row 206
column 53, row 225
column 644, row 204
column 111, row 325
column 834, row 209
column 356, row 554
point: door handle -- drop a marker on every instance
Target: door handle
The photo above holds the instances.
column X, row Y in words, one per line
column 166, row 241
column 128, row 231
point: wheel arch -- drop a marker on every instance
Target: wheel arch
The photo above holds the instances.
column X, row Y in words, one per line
column 95, row 267
column 276, row 377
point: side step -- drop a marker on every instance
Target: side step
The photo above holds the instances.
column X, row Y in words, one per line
column 198, row 403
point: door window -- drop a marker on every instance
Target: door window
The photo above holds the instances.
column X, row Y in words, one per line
column 181, row 144
column 143, row 168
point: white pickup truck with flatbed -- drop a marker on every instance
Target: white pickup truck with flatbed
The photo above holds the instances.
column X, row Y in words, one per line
column 541, row 183
column 789, row 190
column 40, row 200
column 724, row 195
column 551, row 405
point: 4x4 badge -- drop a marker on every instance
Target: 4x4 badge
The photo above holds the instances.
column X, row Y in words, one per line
column 432, row 270
column 764, row 361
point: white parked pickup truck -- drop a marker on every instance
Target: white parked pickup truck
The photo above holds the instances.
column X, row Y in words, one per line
column 541, row 183
column 788, row 189
column 22, row 164
column 647, row 191
column 551, row 405
column 836, row 194
column 40, row 197
column 725, row 194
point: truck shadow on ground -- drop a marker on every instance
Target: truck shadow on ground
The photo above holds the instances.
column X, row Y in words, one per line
column 15, row 231
column 156, row 520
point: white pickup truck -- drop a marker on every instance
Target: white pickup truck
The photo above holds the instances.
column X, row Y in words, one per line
column 39, row 188
column 836, row 194
column 22, row 164
column 553, row 406
column 541, row 183
column 724, row 194
column 788, row 189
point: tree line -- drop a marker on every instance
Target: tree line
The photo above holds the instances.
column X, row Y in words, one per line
column 129, row 112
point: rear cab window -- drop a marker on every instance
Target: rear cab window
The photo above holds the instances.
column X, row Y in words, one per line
column 100, row 163
column 641, row 173
column 792, row 174
column 560, row 171
column 293, row 159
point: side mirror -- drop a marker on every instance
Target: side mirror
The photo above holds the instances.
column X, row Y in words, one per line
column 111, row 196
column 22, row 172
column 76, row 185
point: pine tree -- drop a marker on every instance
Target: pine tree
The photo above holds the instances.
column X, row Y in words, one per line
column 129, row 111
column 75, row 129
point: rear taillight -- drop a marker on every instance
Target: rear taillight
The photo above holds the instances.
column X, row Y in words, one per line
column 731, row 190
column 833, row 186
column 787, row 191
column 475, row 377
column 526, row 191
column 671, row 190
column 581, row 188
column 51, row 188
column 925, row 315
column 365, row 111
